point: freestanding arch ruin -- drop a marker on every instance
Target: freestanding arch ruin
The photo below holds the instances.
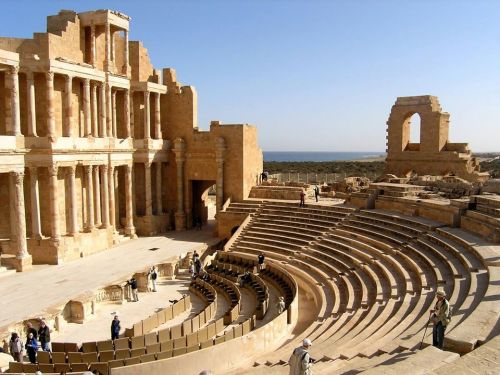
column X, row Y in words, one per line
column 434, row 154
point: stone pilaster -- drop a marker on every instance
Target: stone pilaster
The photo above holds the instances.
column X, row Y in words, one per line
column 90, row 198
column 97, row 196
column 95, row 115
column 126, row 113
column 180, row 158
column 36, row 228
column 54, row 205
column 147, row 124
column 51, row 120
column 86, row 108
column 158, row 134
column 129, row 226
column 111, row 188
column 113, row 106
column 73, row 221
column 23, row 259
column 105, row 196
column 31, row 104
column 148, row 189
column 92, row 45
column 107, row 41
column 159, row 184
column 68, row 104
column 14, row 100
column 125, row 53
column 220, row 150
column 102, row 98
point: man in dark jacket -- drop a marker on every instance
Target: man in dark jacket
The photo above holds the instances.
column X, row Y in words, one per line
column 261, row 259
column 44, row 337
column 133, row 286
column 115, row 328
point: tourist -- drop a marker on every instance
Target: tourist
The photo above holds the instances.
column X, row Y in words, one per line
column 153, row 275
column 300, row 361
column 30, row 329
column 44, row 337
column 281, row 304
column 246, row 278
column 316, row 192
column 115, row 328
column 302, row 198
column 195, row 256
column 16, row 347
column 197, row 266
column 440, row 317
column 31, row 348
column 133, row 286
column 261, row 259
column 191, row 269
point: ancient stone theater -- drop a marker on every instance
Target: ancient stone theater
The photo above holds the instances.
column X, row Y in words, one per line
column 116, row 206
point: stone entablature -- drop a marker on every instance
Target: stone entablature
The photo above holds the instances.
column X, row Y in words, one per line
column 88, row 135
column 434, row 154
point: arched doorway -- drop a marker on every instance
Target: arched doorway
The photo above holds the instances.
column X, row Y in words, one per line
column 203, row 198
column 411, row 132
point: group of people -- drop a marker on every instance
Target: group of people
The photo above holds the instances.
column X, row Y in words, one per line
column 303, row 196
column 195, row 265
column 35, row 340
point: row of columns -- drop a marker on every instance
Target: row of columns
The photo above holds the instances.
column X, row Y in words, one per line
column 110, row 50
column 99, row 109
column 100, row 183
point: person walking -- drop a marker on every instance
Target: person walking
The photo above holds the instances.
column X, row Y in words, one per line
column 31, row 348
column 44, row 337
column 16, row 347
column 133, row 286
column 300, row 361
column 440, row 317
column 154, row 275
column 316, row 192
column 302, row 198
column 261, row 259
column 115, row 328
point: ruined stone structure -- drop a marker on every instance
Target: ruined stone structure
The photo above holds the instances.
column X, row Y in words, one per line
column 434, row 154
column 96, row 144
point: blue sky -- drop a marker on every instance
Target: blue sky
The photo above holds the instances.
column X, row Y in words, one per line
column 316, row 75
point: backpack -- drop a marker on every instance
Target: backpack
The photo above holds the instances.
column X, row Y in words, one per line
column 153, row 276
column 448, row 317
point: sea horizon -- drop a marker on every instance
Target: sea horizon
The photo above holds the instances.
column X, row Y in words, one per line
column 319, row 156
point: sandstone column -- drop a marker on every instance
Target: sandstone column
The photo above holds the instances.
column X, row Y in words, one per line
column 159, row 183
column 97, row 196
column 147, row 125
column 129, row 226
column 113, row 98
column 51, row 120
column 180, row 215
column 125, row 53
column 158, row 134
column 107, row 41
column 111, row 188
column 36, row 231
column 23, row 259
column 92, row 44
column 105, row 196
column 73, row 221
column 147, row 189
column 14, row 100
column 109, row 110
column 131, row 107
column 68, row 118
column 90, row 198
column 86, row 107
column 104, row 133
column 126, row 114
column 95, row 118
column 54, row 205
column 31, row 104
column 220, row 149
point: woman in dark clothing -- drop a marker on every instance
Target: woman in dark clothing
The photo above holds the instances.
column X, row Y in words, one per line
column 31, row 347
column 115, row 328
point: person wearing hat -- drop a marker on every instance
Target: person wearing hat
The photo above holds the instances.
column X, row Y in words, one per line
column 440, row 319
column 281, row 304
column 300, row 361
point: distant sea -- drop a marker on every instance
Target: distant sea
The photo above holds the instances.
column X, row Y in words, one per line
column 319, row 156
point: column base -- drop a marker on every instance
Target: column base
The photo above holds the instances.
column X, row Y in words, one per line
column 180, row 221
column 130, row 231
column 19, row 264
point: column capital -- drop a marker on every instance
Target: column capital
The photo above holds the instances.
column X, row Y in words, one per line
column 69, row 77
column 88, row 168
column 53, row 170
column 18, row 177
column 13, row 70
column 148, row 164
column 147, row 94
column 49, row 76
column 71, row 170
column 86, row 82
column 105, row 168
